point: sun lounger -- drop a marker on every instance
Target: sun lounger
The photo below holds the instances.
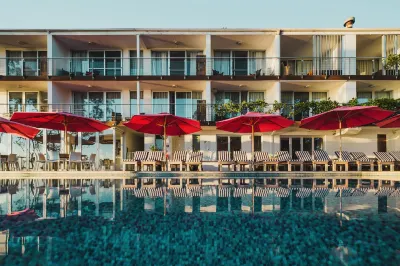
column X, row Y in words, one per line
column 178, row 160
column 224, row 158
column 153, row 159
column 384, row 158
column 396, row 156
column 305, row 157
column 195, row 159
column 362, row 159
column 285, row 158
column 321, row 158
column 240, row 158
column 262, row 158
column 343, row 158
column 136, row 160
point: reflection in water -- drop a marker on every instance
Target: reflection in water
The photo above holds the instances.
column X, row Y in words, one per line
column 87, row 221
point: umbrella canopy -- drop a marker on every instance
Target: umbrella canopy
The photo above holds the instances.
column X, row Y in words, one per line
column 254, row 122
column 392, row 122
column 59, row 121
column 17, row 129
column 163, row 124
column 345, row 117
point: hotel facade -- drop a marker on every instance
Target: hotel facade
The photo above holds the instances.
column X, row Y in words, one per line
column 112, row 74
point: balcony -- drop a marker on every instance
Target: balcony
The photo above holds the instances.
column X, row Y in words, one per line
column 24, row 67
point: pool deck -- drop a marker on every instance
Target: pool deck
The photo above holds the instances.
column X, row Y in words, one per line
column 385, row 175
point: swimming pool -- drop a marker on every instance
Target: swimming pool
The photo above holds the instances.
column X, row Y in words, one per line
column 99, row 223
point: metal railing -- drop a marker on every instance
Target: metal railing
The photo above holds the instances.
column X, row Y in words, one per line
column 194, row 66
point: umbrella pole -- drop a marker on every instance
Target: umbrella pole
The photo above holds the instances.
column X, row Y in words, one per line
column 65, row 138
column 340, row 136
column 252, row 146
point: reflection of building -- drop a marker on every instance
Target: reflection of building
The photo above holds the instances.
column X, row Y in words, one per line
column 112, row 75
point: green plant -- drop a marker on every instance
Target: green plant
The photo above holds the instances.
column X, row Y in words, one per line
column 385, row 103
column 153, row 148
column 392, row 61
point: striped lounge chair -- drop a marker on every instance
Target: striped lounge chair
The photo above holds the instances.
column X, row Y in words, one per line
column 343, row 159
column 285, row 158
column 321, row 158
column 305, row 157
column 195, row 158
column 153, row 159
column 362, row 159
column 396, row 156
column 262, row 158
column 135, row 160
column 224, row 158
column 178, row 160
column 240, row 158
column 384, row 158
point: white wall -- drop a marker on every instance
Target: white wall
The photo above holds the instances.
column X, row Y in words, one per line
column 60, row 55
column 58, row 95
column 349, row 48
column 344, row 93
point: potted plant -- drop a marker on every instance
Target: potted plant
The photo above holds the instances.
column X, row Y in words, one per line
column 392, row 62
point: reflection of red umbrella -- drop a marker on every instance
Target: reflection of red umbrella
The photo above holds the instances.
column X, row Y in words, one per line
column 254, row 122
column 345, row 117
column 163, row 124
column 393, row 122
column 17, row 129
column 59, row 121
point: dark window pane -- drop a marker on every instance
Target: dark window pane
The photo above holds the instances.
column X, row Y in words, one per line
column 257, row 143
column 296, row 146
column 284, row 144
column 222, row 143
column 318, row 144
column 307, row 144
column 382, row 143
column 196, row 143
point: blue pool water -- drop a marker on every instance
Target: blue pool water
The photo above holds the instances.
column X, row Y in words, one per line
column 102, row 224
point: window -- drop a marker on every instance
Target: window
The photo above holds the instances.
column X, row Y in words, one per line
column 319, row 96
column 293, row 144
column 113, row 105
column 23, row 101
column 256, row 96
column 222, row 97
column 105, row 63
column 382, row 143
column 383, row 95
column 27, row 63
column 257, row 143
column 133, row 102
column 133, row 68
column 195, row 142
column 183, row 104
column 159, row 63
column 228, row 143
column 98, row 105
column 160, row 102
column 159, row 142
column 363, row 97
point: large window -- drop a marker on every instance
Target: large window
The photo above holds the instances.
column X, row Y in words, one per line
column 98, row 105
column 105, row 63
column 25, row 101
column 229, row 143
column 133, row 102
column 293, row 144
column 26, row 63
column 133, row 63
column 363, row 97
column 239, row 63
column 195, row 142
column 160, row 102
column 383, row 95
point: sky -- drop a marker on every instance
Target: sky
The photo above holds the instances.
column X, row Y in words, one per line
column 92, row 14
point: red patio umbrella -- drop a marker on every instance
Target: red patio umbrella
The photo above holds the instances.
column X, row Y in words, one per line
column 17, row 129
column 59, row 121
column 163, row 124
column 254, row 122
column 392, row 122
column 345, row 117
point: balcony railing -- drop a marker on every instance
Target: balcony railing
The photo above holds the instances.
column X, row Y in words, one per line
column 196, row 66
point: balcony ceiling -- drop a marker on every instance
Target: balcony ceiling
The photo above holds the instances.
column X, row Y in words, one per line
column 23, row 86
column 297, row 46
column 375, row 85
column 242, row 42
column 94, row 42
column 310, row 85
column 23, row 41
column 369, row 45
column 242, row 85
column 175, row 42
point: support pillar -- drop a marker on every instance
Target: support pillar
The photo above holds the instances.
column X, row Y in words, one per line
column 209, row 62
column 384, row 54
column 138, row 56
column 114, row 143
column 208, row 94
column 138, row 97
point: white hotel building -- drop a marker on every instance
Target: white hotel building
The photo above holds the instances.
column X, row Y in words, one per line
column 112, row 74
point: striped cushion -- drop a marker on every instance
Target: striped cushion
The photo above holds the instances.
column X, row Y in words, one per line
column 395, row 155
column 284, row 156
column 360, row 156
column 140, row 155
column 179, row 156
column 321, row 156
column 240, row 156
column 346, row 157
column 224, row 156
column 384, row 157
column 156, row 156
column 196, row 156
column 261, row 156
column 304, row 156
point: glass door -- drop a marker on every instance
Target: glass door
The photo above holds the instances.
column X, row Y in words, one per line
column 183, row 104
column 80, row 106
column 160, row 102
column 240, row 64
column 113, row 106
column 222, row 63
column 30, row 63
column 177, row 63
column 96, row 105
column 14, row 102
column 31, row 101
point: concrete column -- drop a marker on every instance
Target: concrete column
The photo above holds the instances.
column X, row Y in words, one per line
column 138, row 96
column 126, row 62
column 208, row 93
column 277, row 55
column 79, row 148
column 384, row 55
column 273, row 93
column 349, row 48
column 209, row 62
column 50, row 54
column 114, row 157
column 138, row 55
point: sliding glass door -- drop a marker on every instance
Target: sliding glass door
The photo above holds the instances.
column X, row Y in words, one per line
column 177, row 63
column 160, row 102
column 222, row 63
column 159, row 63
column 240, row 66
